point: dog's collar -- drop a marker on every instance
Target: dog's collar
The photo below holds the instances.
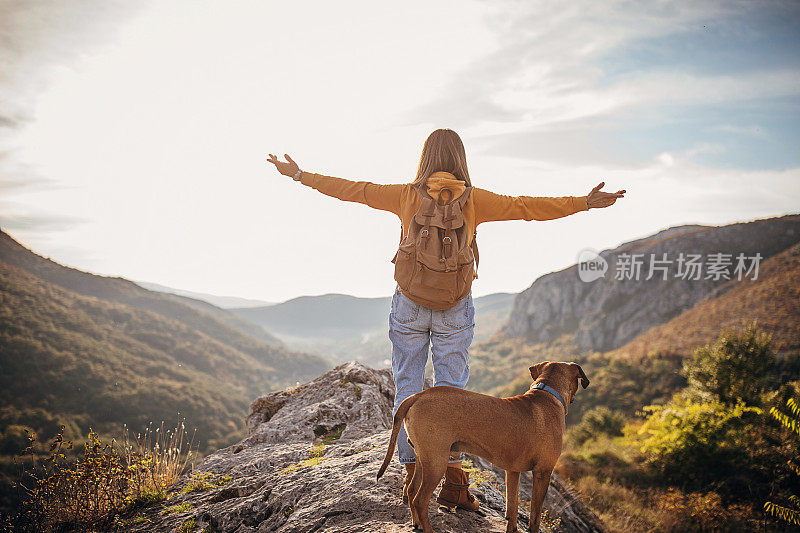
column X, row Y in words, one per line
column 552, row 391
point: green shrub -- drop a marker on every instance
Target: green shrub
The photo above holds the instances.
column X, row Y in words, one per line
column 598, row 421
column 703, row 445
column 735, row 367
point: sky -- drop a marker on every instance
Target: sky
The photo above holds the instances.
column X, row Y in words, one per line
column 134, row 135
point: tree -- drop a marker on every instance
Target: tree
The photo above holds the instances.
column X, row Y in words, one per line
column 735, row 367
column 713, row 433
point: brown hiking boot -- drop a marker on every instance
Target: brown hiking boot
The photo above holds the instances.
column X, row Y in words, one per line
column 455, row 490
column 407, row 481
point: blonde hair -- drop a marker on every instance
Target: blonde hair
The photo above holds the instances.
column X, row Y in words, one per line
column 443, row 151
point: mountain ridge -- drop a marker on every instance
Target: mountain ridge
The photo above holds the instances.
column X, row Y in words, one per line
column 606, row 313
column 224, row 302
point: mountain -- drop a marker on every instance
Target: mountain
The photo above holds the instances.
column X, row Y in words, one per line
column 338, row 327
column 94, row 351
column 773, row 299
column 198, row 316
column 606, row 313
column 332, row 316
column 309, row 464
column 225, row 302
column 227, row 317
column 341, row 327
column 492, row 312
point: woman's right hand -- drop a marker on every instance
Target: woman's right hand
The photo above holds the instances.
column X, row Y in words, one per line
column 598, row 198
column 287, row 169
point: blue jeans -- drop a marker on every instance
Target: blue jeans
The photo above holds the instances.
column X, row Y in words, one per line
column 412, row 328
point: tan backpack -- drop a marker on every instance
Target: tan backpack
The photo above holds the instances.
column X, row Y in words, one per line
column 433, row 265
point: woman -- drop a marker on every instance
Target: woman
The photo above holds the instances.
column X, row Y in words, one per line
column 414, row 327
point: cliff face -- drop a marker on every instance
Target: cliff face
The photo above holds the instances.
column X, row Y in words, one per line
column 606, row 313
column 309, row 464
column 773, row 300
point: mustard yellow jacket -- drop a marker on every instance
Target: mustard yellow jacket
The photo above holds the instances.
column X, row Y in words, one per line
column 481, row 206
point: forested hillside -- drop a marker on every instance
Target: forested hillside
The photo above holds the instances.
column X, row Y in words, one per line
column 93, row 352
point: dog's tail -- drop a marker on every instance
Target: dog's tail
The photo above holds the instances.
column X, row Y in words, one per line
column 398, row 421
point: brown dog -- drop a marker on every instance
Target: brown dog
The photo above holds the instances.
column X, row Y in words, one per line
column 517, row 434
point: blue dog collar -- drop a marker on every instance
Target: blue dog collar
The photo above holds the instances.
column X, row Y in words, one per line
column 552, row 391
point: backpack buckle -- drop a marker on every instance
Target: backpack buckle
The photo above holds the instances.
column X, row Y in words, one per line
column 423, row 233
column 447, row 239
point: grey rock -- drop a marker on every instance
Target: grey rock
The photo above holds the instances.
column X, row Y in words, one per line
column 281, row 478
column 351, row 394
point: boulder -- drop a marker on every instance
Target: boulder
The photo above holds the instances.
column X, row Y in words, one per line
column 309, row 464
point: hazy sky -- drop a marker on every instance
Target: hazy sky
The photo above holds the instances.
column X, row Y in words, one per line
column 133, row 135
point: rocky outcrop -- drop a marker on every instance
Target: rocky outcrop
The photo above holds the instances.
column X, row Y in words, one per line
column 352, row 396
column 606, row 313
column 309, row 464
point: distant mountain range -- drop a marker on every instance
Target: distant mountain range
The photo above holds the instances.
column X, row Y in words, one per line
column 225, row 316
column 341, row 327
column 225, row 302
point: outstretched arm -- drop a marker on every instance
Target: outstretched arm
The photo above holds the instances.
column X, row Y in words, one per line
column 377, row 196
column 491, row 206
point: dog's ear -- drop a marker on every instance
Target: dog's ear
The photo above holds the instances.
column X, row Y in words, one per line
column 582, row 376
column 537, row 369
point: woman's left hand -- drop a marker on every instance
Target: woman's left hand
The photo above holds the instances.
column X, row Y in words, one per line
column 598, row 198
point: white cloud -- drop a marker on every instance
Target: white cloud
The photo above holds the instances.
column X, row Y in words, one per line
column 545, row 73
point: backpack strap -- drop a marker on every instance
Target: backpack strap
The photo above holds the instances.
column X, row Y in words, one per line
column 422, row 189
column 463, row 200
column 474, row 251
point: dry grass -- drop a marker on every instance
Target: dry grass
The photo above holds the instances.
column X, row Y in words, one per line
column 157, row 457
column 108, row 481
column 608, row 475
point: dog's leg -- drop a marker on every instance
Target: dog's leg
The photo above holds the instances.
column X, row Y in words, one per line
column 512, row 500
column 413, row 488
column 433, row 468
column 541, row 480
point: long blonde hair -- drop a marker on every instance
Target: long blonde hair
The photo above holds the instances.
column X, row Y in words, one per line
column 443, row 150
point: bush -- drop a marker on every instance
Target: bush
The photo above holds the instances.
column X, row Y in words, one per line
column 595, row 422
column 701, row 446
column 107, row 480
column 77, row 495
